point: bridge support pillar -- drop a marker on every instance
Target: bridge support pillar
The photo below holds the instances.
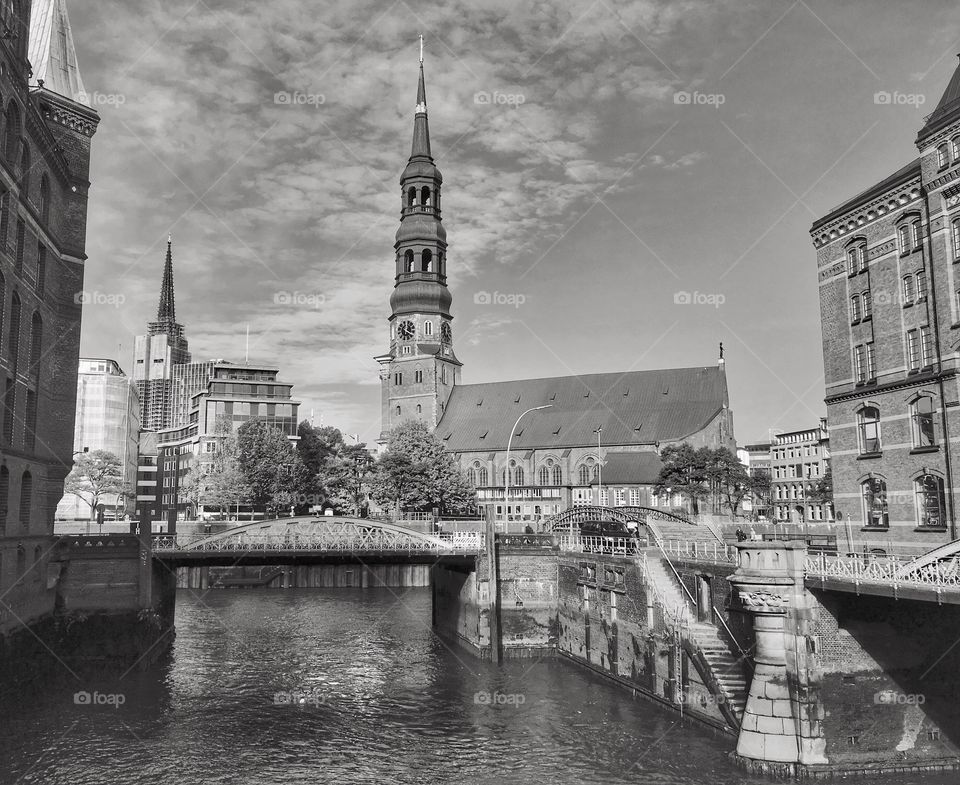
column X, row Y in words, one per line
column 781, row 731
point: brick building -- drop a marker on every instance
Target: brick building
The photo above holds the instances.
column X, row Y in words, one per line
column 799, row 460
column 890, row 310
column 46, row 126
column 599, row 441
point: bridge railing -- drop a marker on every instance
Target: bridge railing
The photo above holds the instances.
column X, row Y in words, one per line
column 693, row 550
column 462, row 542
column 887, row 570
column 613, row 546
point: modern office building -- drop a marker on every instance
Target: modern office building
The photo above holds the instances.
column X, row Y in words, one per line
column 108, row 418
column 756, row 457
column 799, row 461
column 46, row 129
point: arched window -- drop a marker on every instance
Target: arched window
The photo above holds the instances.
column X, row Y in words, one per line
column 30, row 421
column 482, row 476
column 412, row 197
column 909, row 293
column 557, row 476
column 18, row 259
column 37, row 558
column 916, row 228
column 21, row 562
column 419, row 409
column 41, row 268
column 903, row 238
column 24, row 165
column 518, row 476
column 587, row 472
column 398, row 411
column 12, row 131
column 931, row 501
column 857, row 258
column 428, row 327
column 36, row 343
column 472, row 477
column 13, row 335
column 426, row 257
column 956, row 239
column 943, row 156
column 26, row 499
column 3, row 301
column 4, row 497
column 955, row 148
column 44, row 198
column 408, row 261
column 855, row 311
column 869, row 428
column 921, row 412
column 867, row 302
column 544, row 476
column 921, row 285
column 875, row 512
column 425, row 196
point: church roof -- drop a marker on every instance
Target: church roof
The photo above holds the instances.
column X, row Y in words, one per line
column 51, row 52
column 636, row 407
column 630, row 468
column 947, row 108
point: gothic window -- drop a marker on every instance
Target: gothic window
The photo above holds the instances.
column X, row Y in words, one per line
column 26, row 499
column 544, row 478
column 9, row 408
column 13, row 336
column 518, row 477
column 857, row 258
column 408, row 261
column 426, row 257
column 36, row 343
column 428, row 328
column 921, row 285
column 557, row 476
column 30, row 421
column 4, row 497
column 931, row 500
column 483, row 476
column 868, row 421
column 875, row 511
column 867, row 303
column 41, row 268
column 425, row 196
column 917, row 236
column 586, row 472
column 921, row 412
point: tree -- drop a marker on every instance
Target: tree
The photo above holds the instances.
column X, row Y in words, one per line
column 684, row 471
column 344, row 477
column 96, row 475
column 433, row 477
column 315, row 447
column 728, row 477
column 760, row 486
column 822, row 490
column 269, row 465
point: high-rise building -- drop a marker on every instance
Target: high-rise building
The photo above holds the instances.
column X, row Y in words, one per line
column 186, row 380
column 600, row 439
column 47, row 126
column 234, row 394
column 887, row 266
column 156, row 353
column 108, row 418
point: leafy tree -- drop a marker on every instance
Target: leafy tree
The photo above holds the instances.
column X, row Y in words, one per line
column 315, row 447
column 685, row 472
column 822, row 490
column 269, row 465
column 760, row 486
column 728, row 478
column 96, row 475
column 433, row 478
column 344, row 477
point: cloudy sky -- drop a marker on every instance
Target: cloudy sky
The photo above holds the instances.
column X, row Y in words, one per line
column 630, row 152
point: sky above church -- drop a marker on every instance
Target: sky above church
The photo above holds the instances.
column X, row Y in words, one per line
column 626, row 184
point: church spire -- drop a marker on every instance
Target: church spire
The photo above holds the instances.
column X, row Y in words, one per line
column 421, row 131
column 167, row 312
column 51, row 52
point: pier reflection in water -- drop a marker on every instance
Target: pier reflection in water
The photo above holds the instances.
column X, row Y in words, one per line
column 269, row 687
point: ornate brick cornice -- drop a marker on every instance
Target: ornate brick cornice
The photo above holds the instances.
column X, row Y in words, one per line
column 848, row 224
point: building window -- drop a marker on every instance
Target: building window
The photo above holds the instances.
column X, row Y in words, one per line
column 44, row 198
column 869, row 428
column 867, row 302
column 482, row 476
column 41, row 268
column 956, row 239
column 13, row 335
column 418, row 376
column 855, row 311
column 557, row 476
column 908, row 290
column 955, row 147
column 921, row 413
column 398, row 378
column 30, row 421
column 903, row 238
column 408, row 261
column 398, row 411
column 634, row 497
column 26, row 499
column 4, row 497
column 863, row 363
column 875, row 512
column 931, row 501
column 583, row 475
column 419, row 409
column 913, row 350
column 943, row 156
column 619, row 497
column 916, row 227
column 36, row 344
column 871, row 364
column 854, row 255
column 921, row 285
column 428, row 328
column 518, row 476
column 926, row 347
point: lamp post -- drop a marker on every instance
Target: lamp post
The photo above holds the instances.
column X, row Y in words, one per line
column 506, row 479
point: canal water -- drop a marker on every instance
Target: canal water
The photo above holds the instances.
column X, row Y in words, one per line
column 268, row 687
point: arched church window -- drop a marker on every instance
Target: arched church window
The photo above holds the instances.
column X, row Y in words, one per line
column 425, row 196
column 398, row 411
column 419, row 409
column 426, row 258
column 428, row 328
column 408, row 261
column 412, row 197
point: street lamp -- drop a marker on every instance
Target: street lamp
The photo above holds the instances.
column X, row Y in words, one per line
column 506, row 483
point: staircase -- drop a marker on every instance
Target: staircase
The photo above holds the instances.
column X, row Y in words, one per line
column 721, row 667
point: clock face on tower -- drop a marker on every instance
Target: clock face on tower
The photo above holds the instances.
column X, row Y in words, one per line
column 406, row 330
column 446, row 334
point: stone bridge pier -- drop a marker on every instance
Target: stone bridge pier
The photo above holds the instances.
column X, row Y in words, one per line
column 782, row 729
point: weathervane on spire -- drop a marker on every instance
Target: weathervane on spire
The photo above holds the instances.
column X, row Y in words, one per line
column 421, row 48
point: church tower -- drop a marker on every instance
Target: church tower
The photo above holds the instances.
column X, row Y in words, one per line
column 420, row 370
